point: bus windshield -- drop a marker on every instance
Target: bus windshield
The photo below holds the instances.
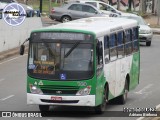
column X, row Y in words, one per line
column 61, row 60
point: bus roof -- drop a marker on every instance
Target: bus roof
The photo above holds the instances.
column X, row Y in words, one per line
column 96, row 25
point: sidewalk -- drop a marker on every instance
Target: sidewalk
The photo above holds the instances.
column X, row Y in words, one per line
column 153, row 21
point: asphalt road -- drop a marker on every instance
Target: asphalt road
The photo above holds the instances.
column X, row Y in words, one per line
column 13, row 87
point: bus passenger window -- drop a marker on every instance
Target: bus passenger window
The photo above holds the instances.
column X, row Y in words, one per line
column 135, row 46
column 106, row 49
column 128, row 42
column 99, row 51
column 120, row 44
column 113, row 49
column 135, row 39
column 134, row 34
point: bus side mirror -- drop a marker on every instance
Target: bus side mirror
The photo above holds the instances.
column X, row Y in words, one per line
column 21, row 51
column 22, row 47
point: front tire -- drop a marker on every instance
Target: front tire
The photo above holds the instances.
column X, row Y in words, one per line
column 101, row 108
column 122, row 98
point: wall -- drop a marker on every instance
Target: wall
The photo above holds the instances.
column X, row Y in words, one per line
column 11, row 37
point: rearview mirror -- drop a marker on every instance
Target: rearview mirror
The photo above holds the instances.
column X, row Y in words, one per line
column 22, row 48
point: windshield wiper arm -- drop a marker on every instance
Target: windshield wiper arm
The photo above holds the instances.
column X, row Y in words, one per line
column 74, row 46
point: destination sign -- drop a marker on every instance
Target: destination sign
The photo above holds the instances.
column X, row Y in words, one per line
column 59, row 36
column 62, row 36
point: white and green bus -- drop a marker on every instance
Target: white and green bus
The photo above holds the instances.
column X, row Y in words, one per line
column 85, row 62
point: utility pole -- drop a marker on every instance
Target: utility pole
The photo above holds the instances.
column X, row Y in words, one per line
column 152, row 6
column 130, row 5
column 110, row 2
column 158, row 11
column 50, row 1
column 118, row 4
column 40, row 7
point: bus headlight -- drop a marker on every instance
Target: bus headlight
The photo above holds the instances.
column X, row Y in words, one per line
column 35, row 90
column 84, row 91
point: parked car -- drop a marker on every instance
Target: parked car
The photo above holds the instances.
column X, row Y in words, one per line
column 29, row 10
column 72, row 11
column 145, row 32
column 104, row 7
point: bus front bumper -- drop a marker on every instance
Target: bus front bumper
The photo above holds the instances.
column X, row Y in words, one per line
column 88, row 100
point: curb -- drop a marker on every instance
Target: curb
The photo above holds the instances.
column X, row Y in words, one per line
column 9, row 53
column 156, row 31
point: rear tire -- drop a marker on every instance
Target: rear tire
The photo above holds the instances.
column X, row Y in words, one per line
column 101, row 108
column 122, row 98
column 148, row 43
column 65, row 19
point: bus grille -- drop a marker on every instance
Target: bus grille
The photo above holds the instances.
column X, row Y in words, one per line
column 59, row 90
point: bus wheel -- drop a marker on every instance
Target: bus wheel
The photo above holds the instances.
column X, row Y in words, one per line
column 101, row 108
column 122, row 98
column 44, row 108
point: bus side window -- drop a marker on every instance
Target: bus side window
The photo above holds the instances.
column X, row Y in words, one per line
column 113, row 48
column 120, row 44
column 128, row 42
column 99, row 52
column 106, row 49
column 135, row 39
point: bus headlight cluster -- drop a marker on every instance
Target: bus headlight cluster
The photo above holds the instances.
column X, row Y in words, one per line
column 35, row 90
column 84, row 91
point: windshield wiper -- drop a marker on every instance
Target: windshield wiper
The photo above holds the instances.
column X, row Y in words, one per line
column 72, row 48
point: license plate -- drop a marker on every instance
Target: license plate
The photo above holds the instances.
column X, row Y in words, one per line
column 56, row 98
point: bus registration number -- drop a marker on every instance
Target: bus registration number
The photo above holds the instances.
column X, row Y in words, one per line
column 56, row 98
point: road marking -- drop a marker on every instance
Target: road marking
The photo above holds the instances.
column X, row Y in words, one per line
column 1, row 79
column 3, row 99
column 12, row 59
column 142, row 91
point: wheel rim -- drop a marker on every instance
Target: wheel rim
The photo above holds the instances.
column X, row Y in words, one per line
column 125, row 94
column 65, row 19
column 125, row 91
